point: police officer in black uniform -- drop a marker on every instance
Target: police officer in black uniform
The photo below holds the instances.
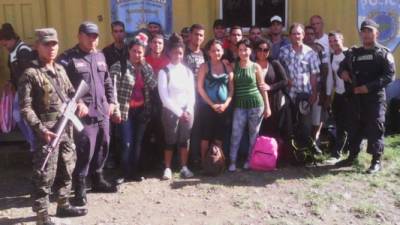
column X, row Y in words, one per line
column 85, row 62
column 367, row 70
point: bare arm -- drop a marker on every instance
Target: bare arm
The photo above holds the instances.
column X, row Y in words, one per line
column 260, row 83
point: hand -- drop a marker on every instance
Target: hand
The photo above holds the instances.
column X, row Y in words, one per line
column 313, row 98
column 222, row 108
column 267, row 112
column 345, row 76
column 215, row 107
column 116, row 119
column 360, row 90
column 81, row 110
column 111, row 109
column 264, row 87
column 48, row 136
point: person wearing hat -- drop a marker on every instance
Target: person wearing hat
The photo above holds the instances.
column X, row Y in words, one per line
column 85, row 62
column 276, row 36
column 40, row 103
column 154, row 28
column 366, row 71
column 219, row 30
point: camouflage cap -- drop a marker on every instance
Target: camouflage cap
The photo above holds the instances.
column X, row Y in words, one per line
column 45, row 35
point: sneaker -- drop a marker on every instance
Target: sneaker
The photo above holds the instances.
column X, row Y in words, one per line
column 332, row 160
column 186, row 173
column 167, row 174
column 232, row 168
column 246, row 166
column 375, row 165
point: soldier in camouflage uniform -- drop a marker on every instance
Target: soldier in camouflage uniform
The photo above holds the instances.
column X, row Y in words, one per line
column 40, row 104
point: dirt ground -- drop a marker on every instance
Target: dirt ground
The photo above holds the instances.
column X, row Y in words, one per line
column 291, row 195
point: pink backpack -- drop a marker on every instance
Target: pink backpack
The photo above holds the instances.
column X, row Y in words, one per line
column 264, row 154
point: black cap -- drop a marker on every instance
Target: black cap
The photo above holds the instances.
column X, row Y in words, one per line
column 219, row 23
column 185, row 30
column 88, row 27
column 368, row 23
column 155, row 23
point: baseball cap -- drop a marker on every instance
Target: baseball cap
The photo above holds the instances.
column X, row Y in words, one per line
column 88, row 27
column 219, row 23
column 45, row 35
column 276, row 18
column 368, row 23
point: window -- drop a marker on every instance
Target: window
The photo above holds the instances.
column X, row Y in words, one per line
column 246, row 13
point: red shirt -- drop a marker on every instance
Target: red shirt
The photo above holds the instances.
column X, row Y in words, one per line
column 157, row 63
column 137, row 98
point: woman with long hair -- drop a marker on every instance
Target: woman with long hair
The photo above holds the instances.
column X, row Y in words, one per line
column 135, row 106
column 177, row 93
column 275, row 77
column 250, row 99
column 215, row 86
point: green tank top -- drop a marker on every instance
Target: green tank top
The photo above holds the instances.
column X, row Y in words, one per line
column 247, row 94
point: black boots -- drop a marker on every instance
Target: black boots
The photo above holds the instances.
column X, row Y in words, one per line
column 80, row 192
column 100, row 185
column 43, row 218
column 70, row 211
column 375, row 164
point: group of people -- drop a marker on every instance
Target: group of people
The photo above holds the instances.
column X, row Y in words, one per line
column 191, row 97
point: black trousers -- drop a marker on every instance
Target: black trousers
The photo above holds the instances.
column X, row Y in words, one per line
column 367, row 120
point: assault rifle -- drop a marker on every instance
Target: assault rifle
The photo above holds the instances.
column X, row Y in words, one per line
column 68, row 114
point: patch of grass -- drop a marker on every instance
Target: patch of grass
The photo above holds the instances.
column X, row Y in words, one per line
column 317, row 202
column 364, row 210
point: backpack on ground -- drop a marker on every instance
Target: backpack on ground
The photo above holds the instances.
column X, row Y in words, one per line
column 214, row 163
column 264, row 154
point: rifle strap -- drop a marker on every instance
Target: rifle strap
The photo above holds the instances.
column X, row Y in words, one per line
column 56, row 87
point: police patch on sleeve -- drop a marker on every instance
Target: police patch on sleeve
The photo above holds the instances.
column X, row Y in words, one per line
column 390, row 58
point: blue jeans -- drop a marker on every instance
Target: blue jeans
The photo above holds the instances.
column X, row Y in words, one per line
column 241, row 117
column 22, row 124
column 132, row 131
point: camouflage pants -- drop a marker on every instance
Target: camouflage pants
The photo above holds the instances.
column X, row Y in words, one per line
column 59, row 167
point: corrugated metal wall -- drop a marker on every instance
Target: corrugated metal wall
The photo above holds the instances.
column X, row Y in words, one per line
column 66, row 15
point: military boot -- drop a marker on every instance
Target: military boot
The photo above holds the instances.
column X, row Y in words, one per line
column 100, row 185
column 70, row 211
column 64, row 209
column 43, row 218
column 80, row 192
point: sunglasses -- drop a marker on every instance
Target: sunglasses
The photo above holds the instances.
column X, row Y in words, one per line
column 263, row 49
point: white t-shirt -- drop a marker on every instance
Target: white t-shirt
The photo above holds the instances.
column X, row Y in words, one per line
column 177, row 92
column 324, row 41
column 340, row 89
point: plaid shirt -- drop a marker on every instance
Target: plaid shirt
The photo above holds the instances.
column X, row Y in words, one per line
column 299, row 67
column 124, row 86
